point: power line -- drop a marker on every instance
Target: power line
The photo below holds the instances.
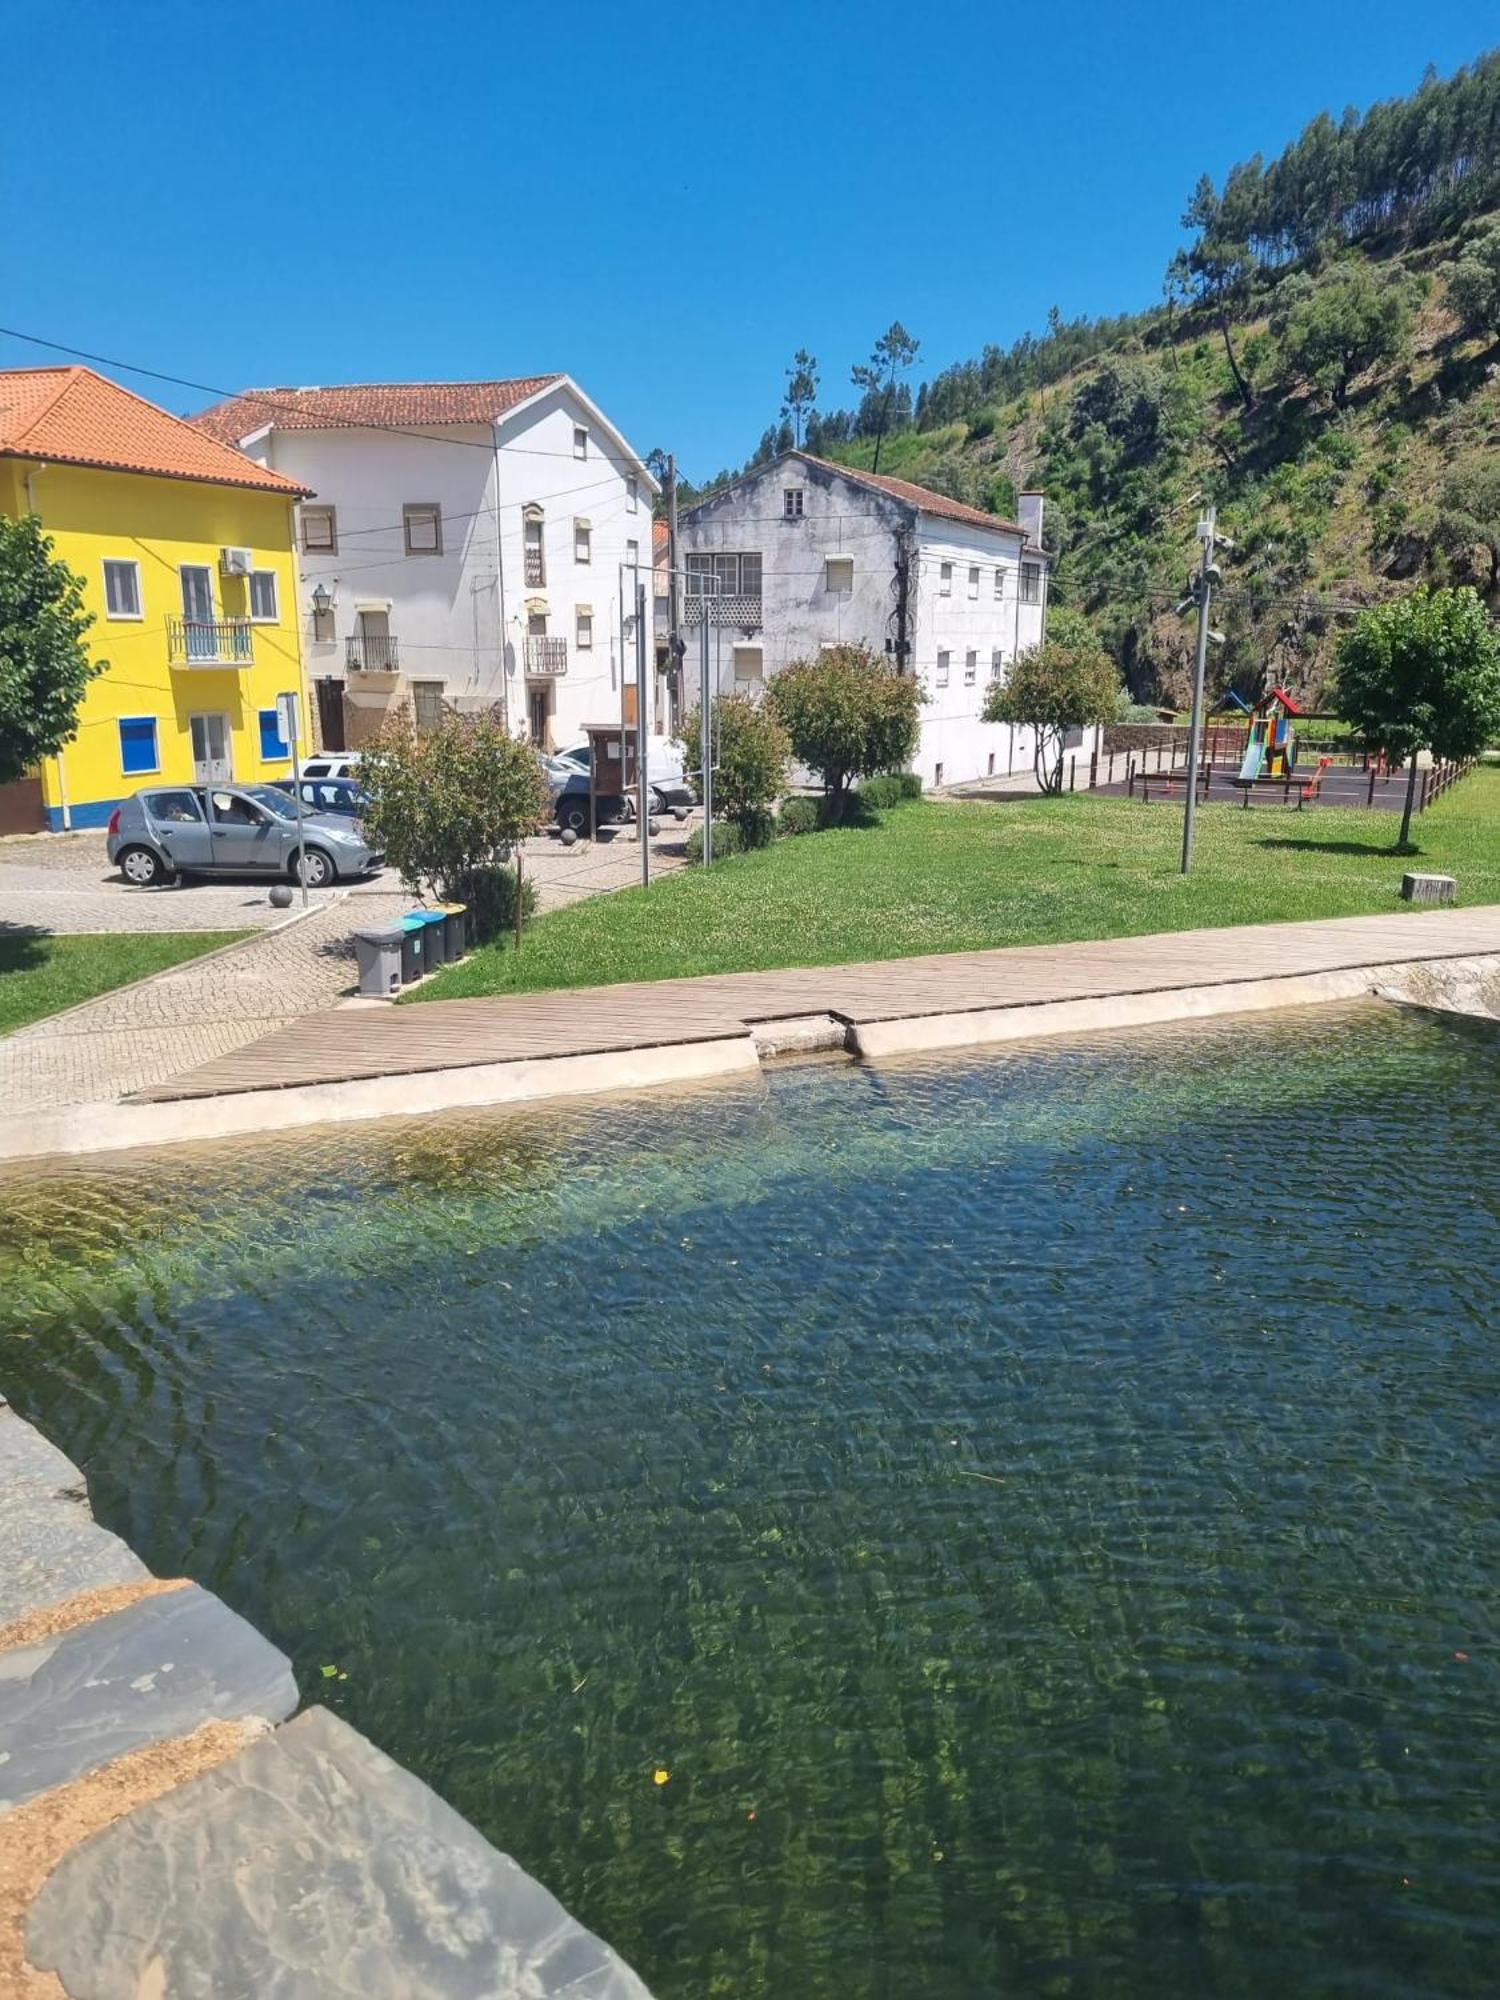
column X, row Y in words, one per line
column 296, row 409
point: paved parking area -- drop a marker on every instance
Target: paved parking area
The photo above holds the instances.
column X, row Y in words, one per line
column 194, row 1013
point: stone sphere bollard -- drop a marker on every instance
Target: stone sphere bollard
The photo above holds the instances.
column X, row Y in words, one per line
column 653, row 827
column 569, row 836
column 281, row 896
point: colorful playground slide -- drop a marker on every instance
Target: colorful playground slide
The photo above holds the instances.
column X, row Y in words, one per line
column 1255, row 754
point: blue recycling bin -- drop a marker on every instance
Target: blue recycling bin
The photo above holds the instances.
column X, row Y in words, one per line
column 413, row 958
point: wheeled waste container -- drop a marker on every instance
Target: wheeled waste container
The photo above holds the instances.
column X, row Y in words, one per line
column 413, row 930
column 434, row 953
column 455, row 930
column 379, row 956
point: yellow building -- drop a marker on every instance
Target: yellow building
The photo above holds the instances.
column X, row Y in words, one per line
column 186, row 551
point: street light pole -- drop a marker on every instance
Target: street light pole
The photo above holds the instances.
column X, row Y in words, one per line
column 1203, row 591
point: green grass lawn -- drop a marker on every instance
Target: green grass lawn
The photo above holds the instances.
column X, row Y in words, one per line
column 41, row 975
column 933, row 877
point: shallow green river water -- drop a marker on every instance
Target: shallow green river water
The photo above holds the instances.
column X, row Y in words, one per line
column 1040, row 1510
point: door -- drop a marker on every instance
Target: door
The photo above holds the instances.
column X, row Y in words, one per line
column 211, row 760
column 246, row 840
column 539, row 715
column 198, row 612
column 331, row 714
column 376, row 653
column 181, row 830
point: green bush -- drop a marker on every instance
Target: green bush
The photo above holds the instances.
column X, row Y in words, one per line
column 490, row 893
column 889, row 789
column 799, row 815
column 733, row 836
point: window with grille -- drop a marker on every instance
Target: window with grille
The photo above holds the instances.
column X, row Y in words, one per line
column 532, row 527
column 427, row 702
column 732, row 573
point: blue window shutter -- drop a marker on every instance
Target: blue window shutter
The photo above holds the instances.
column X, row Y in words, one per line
column 137, row 744
column 272, row 743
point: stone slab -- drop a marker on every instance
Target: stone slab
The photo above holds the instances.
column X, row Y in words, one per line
column 1417, row 888
column 51, row 1548
column 28, row 1464
column 310, row 1867
column 158, row 1668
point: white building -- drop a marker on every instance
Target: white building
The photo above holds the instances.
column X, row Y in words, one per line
column 802, row 554
column 464, row 548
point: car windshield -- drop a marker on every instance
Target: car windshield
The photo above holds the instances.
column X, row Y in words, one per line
column 277, row 804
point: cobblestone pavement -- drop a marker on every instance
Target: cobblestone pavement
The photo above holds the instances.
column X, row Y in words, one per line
column 126, row 1041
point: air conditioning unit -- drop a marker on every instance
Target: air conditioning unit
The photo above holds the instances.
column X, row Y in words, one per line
column 235, row 562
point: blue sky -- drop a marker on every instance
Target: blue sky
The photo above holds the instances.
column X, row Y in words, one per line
column 664, row 202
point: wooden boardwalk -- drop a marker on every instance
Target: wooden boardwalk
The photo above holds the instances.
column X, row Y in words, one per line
column 345, row 1044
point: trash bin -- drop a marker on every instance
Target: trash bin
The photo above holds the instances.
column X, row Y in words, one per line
column 413, row 929
column 455, row 930
column 433, row 952
column 379, row 955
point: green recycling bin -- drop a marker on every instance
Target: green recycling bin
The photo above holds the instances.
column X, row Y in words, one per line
column 413, row 960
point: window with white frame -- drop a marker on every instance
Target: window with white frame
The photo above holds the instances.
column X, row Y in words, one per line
column 945, row 579
column 749, row 663
column 583, row 627
column 731, row 573
column 999, row 582
column 1031, row 583
column 997, row 664
column 263, row 597
column 583, row 542
column 971, row 668
column 944, row 660
column 580, row 441
column 533, row 529
column 122, row 589
column 840, row 573
column 423, row 522
column 973, row 579
column 791, row 503
column 632, row 492
column 320, row 530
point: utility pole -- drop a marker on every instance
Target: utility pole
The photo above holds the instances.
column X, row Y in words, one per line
column 1200, row 593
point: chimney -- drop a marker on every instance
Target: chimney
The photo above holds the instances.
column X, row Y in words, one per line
column 1029, row 509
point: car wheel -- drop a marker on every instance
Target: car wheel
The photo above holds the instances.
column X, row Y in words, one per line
column 317, row 868
column 141, row 868
column 574, row 814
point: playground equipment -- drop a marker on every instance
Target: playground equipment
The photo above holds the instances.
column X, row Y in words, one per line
column 1272, row 749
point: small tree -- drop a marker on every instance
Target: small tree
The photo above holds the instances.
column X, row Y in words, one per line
column 1068, row 682
column 1422, row 674
column 801, row 392
column 1474, row 282
column 449, row 806
column 750, row 771
column 45, row 668
column 848, row 714
column 1333, row 330
column 895, row 351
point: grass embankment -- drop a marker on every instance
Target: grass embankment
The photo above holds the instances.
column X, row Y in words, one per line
column 935, row 877
column 42, row 975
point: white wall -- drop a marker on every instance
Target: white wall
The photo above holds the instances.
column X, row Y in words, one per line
column 800, row 613
column 460, row 618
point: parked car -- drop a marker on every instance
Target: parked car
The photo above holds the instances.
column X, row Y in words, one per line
column 331, row 764
column 568, row 780
column 339, row 796
column 167, row 831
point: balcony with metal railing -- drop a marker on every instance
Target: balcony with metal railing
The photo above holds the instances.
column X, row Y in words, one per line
column 546, row 658
column 210, row 642
column 739, row 609
column 371, row 653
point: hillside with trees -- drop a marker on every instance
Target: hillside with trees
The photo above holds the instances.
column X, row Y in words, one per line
column 1324, row 365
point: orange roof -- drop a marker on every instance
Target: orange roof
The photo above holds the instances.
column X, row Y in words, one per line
column 399, row 404
column 71, row 416
column 920, row 497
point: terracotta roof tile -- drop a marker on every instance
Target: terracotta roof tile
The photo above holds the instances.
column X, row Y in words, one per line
column 920, row 497
column 72, row 416
column 400, row 404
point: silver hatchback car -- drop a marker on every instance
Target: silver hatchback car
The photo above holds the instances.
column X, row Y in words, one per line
column 170, row 830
